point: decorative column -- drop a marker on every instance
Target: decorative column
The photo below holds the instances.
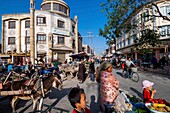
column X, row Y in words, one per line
column 19, row 36
column 76, row 34
column 3, row 38
column 32, row 38
column 50, row 56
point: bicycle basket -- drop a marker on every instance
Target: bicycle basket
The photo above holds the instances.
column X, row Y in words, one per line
column 134, row 69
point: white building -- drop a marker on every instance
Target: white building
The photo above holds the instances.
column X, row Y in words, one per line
column 89, row 50
column 55, row 34
column 126, row 42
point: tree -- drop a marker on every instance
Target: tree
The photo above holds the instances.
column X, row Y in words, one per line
column 148, row 40
column 119, row 11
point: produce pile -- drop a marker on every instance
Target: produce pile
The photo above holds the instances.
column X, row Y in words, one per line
column 138, row 105
column 159, row 107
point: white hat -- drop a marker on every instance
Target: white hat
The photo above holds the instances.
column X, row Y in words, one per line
column 147, row 83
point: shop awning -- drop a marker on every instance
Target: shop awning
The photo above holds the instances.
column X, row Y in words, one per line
column 79, row 55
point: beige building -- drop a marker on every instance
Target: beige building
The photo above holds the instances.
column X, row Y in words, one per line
column 87, row 49
column 125, row 44
column 48, row 33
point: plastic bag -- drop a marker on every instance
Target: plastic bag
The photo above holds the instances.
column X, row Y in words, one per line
column 122, row 103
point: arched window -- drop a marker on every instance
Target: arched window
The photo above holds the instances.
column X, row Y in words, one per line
column 56, row 6
column 46, row 6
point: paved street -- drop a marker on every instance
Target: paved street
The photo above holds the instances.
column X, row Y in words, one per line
column 162, row 83
column 58, row 98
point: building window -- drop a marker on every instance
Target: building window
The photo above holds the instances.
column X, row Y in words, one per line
column 129, row 41
column 167, row 10
column 27, row 24
column 124, row 43
column 143, row 32
column 46, row 6
column 163, row 31
column 41, row 38
column 41, row 20
column 62, row 9
column 11, row 40
column 73, row 28
column 134, row 38
column 27, row 40
column 120, row 44
column 73, row 44
column 61, row 24
column 61, row 40
column 168, row 30
column 117, row 46
column 56, row 6
column 145, row 16
column 11, row 24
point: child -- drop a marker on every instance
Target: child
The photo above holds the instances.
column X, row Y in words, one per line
column 77, row 99
column 148, row 91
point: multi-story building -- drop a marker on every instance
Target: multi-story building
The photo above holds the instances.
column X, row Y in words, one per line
column 88, row 49
column 48, row 33
column 144, row 19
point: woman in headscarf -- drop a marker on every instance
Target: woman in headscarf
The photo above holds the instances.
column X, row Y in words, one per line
column 109, row 85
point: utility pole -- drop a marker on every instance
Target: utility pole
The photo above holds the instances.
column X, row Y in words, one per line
column 32, row 38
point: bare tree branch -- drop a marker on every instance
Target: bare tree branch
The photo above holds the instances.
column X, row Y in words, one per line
column 164, row 17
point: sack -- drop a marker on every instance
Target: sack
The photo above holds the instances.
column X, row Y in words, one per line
column 122, row 103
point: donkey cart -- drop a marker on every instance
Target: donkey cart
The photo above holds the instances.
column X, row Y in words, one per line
column 22, row 86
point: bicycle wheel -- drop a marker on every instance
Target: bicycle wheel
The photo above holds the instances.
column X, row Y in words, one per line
column 135, row 77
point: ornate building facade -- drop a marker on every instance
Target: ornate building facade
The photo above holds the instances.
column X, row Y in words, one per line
column 48, row 33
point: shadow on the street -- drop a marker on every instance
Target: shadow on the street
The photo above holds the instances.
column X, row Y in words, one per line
column 119, row 73
column 137, row 92
column 94, row 106
column 25, row 108
column 54, row 94
column 58, row 94
column 51, row 108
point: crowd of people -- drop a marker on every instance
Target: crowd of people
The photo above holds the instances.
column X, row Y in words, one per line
column 108, row 90
column 109, row 94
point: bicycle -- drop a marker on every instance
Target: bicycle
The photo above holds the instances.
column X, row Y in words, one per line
column 133, row 76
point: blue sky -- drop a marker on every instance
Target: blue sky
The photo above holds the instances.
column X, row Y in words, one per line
column 88, row 12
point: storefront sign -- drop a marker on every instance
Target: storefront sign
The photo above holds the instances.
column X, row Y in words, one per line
column 60, row 31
